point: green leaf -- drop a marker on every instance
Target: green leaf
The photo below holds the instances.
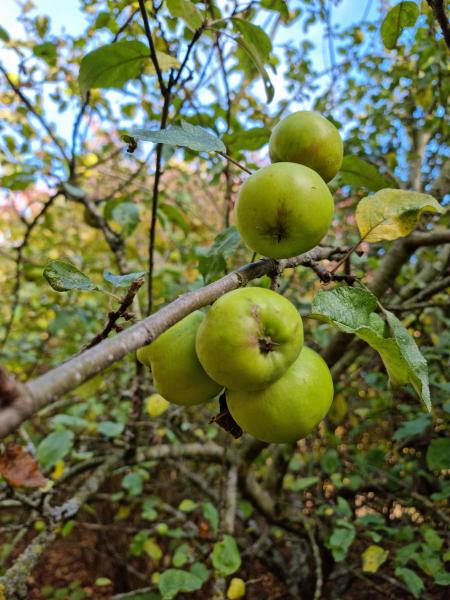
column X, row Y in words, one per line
column 253, row 54
column 442, row 578
column 352, row 310
column 200, row 570
column 357, row 172
column 412, row 581
column 413, row 427
column 189, row 136
column 225, row 557
column 444, row 493
column 438, row 454
column 254, row 35
column 138, row 541
column 340, row 541
column 432, row 539
column 390, row 214
column 126, row 214
column 111, row 66
column 148, row 509
column 46, row 51
column 4, row 35
column 103, row 581
column 133, row 483
column 175, row 216
column 330, row 462
column 153, row 549
column 70, row 421
column 213, row 264
column 74, row 191
column 54, row 447
column 63, row 276
column 110, row 429
column 181, row 556
column 187, row 12
column 373, row 557
column 173, row 581
column 211, row 514
column 187, row 505
column 400, row 16
column 249, row 139
column 122, row 280
column 277, row 5
column 303, row 483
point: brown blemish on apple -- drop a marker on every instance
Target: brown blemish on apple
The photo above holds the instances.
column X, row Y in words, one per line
column 279, row 229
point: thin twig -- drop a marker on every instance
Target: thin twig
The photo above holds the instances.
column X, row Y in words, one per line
column 114, row 316
column 33, row 111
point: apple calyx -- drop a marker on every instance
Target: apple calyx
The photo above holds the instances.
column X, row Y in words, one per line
column 266, row 344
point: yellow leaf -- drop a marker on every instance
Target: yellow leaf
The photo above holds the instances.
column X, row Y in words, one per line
column 58, row 470
column 390, row 214
column 372, row 558
column 2, row 592
column 236, row 589
column 156, row 405
column 338, row 409
column 154, row 578
column 123, row 513
column 153, row 549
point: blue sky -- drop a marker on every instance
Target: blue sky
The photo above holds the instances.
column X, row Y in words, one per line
column 67, row 17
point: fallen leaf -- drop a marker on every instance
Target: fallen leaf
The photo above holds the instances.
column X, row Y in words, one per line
column 19, row 468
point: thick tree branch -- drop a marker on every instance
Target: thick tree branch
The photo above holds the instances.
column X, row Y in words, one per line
column 438, row 8
column 69, row 375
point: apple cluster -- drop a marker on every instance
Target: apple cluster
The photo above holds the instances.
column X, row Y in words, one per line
column 250, row 342
column 286, row 208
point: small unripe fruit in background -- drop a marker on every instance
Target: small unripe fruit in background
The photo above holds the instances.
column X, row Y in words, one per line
column 307, row 138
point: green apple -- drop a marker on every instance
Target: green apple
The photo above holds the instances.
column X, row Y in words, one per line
column 177, row 373
column 249, row 338
column 307, row 138
column 283, row 210
column 290, row 408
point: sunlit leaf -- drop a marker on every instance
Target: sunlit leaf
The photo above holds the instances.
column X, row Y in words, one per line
column 402, row 15
column 187, row 11
column 390, row 214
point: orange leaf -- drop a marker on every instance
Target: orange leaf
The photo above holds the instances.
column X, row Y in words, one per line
column 19, row 468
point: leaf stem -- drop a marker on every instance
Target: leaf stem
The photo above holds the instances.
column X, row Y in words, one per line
column 235, row 162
